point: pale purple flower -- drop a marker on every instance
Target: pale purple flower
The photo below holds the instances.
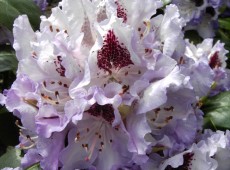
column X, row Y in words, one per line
column 175, row 123
column 97, row 136
column 209, row 66
column 102, row 85
column 200, row 15
column 207, row 154
column 22, row 100
column 190, row 10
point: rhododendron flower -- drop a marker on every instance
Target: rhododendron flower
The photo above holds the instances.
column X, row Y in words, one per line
column 112, row 84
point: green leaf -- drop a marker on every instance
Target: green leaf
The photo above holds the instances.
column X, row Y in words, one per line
column 217, row 112
column 11, row 9
column 11, row 158
column 8, row 61
column 225, row 23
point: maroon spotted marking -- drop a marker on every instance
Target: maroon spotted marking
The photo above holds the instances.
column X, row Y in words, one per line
column 60, row 69
column 214, row 60
column 188, row 157
column 112, row 54
column 105, row 111
column 121, row 12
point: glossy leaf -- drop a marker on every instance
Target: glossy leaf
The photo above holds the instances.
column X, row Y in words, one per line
column 225, row 23
column 8, row 61
column 217, row 112
column 11, row 158
column 11, row 9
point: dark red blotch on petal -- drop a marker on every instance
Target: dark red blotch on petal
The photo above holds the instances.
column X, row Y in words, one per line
column 59, row 67
column 112, row 54
column 214, row 60
column 121, row 12
column 105, row 111
column 188, row 157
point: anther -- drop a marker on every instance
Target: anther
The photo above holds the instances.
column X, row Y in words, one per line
column 51, row 28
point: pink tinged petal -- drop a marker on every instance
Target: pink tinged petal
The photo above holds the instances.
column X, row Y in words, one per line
column 23, row 36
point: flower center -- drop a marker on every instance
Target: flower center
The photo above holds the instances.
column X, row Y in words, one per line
column 104, row 111
column 55, row 92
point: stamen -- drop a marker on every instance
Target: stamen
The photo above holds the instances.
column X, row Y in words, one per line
column 31, row 102
column 147, row 30
column 92, row 147
column 26, row 147
column 17, row 124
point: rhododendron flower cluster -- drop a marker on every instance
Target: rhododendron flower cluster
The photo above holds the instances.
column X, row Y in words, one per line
column 111, row 84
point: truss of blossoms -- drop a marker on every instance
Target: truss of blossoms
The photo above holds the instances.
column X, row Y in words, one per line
column 108, row 84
